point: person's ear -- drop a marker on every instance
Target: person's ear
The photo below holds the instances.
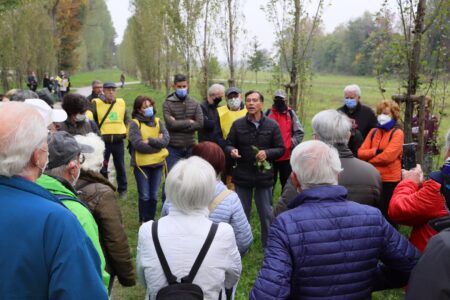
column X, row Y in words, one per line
column 35, row 158
column 296, row 182
column 72, row 167
column 349, row 135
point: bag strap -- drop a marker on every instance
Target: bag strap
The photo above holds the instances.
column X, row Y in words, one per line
column 106, row 115
column 390, row 137
column 218, row 200
column 201, row 255
column 171, row 279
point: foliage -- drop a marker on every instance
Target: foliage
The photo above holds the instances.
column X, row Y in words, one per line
column 258, row 59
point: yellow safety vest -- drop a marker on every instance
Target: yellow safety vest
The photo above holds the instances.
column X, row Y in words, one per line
column 146, row 159
column 222, row 109
column 114, row 122
column 90, row 116
column 227, row 119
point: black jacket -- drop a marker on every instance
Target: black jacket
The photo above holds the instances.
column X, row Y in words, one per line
column 243, row 135
column 209, row 131
column 365, row 120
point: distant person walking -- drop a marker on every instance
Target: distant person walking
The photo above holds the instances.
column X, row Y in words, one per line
column 122, row 80
column 32, row 82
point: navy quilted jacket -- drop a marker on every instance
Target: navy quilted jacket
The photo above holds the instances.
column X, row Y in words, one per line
column 326, row 247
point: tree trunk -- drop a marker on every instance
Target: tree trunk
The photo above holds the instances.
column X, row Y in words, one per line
column 414, row 68
column 204, row 84
column 232, row 80
column 293, row 86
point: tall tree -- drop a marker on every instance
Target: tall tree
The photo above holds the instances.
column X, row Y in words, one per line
column 258, row 59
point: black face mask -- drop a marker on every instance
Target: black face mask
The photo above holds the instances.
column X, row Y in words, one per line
column 280, row 105
column 217, row 100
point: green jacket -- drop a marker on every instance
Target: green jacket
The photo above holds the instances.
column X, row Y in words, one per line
column 82, row 213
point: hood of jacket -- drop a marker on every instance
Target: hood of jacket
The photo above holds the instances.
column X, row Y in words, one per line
column 57, row 186
column 343, row 150
column 320, row 193
column 147, row 121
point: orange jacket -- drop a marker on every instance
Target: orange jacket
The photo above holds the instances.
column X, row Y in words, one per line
column 388, row 162
column 414, row 206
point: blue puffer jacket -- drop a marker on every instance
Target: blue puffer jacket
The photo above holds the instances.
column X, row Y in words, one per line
column 326, row 247
column 228, row 211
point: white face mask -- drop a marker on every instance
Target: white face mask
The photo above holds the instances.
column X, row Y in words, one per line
column 80, row 117
column 234, row 103
column 383, row 119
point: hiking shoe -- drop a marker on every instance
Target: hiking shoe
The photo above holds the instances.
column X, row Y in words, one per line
column 123, row 195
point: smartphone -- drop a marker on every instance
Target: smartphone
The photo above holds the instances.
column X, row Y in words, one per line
column 409, row 156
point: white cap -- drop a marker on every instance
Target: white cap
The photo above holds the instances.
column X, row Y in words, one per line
column 49, row 114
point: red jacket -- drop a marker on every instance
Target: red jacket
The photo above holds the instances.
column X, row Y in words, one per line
column 414, row 206
column 284, row 120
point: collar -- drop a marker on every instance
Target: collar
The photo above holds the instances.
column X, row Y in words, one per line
column 20, row 183
column 388, row 126
column 328, row 193
column 347, row 111
column 175, row 212
column 247, row 117
column 343, row 150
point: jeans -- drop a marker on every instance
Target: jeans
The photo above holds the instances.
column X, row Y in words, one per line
column 175, row 154
column 263, row 199
column 118, row 152
column 147, row 180
column 284, row 168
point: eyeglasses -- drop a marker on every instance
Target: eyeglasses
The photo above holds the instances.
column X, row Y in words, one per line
column 82, row 158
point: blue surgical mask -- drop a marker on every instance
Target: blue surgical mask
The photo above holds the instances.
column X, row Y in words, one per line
column 148, row 112
column 181, row 92
column 350, row 103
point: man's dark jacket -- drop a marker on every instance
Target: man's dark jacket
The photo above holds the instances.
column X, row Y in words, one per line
column 360, row 178
column 363, row 115
column 243, row 135
column 209, row 131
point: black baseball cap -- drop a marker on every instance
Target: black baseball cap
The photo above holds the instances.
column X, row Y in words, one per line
column 62, row 148
column 232, row 90
column 109, row 85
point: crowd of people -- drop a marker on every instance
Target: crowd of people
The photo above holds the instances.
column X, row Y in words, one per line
column 332, row 234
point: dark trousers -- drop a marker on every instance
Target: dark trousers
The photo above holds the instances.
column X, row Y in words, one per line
column 263, row 201
column 147, row 180
column 284, row 169
column 118, row 152
column 388, row 190
column 175, row 154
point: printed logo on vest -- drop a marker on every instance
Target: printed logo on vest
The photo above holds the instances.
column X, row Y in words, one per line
column 113, row 116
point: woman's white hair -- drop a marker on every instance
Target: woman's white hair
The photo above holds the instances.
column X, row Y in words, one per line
column 93, row 161
column 213, row 89
column 353, row 88
column 332, row 127
column 23, row 131
column 190, row 184
column 315, row 164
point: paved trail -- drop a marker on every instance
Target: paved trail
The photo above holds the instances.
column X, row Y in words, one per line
column 86, row 90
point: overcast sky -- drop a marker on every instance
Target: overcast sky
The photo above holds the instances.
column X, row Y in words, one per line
column 335, row 13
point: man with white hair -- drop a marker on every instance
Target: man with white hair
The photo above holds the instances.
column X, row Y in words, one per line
column 326, row 247
column 45, row 253
column 210, row 130
column 362, row 116
column 360, row 178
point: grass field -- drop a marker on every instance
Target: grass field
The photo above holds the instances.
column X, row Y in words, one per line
column 326, row 92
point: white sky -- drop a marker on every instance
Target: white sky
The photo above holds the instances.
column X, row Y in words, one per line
column 335, row 13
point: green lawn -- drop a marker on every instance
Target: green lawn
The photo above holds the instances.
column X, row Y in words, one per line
column 82, row 79
column 327, row 92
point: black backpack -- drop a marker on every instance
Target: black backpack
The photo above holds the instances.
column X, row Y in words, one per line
column 184, row 290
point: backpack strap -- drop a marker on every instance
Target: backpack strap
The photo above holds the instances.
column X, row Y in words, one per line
column 392, row 133
column 201, row 255
column 373, row 134
column 375, row 131
column 171, row 279
column 219, row 199
column 268, row 111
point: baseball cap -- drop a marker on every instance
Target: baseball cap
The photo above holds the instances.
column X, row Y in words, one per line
column 279, row 94
column 63, row 147
column 440, row 175
column 232, row 90
column 109, row 85
column 49, row 114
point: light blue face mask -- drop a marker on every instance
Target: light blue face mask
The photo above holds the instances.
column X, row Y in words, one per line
column 181, row 92
column 350, row 103
column 148, row 112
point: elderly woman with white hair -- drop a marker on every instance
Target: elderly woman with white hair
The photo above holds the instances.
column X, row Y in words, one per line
column 190, row 186
column 98, row 194
column 326, row 247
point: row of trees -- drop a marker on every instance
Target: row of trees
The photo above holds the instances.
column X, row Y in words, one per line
column 52, row 35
